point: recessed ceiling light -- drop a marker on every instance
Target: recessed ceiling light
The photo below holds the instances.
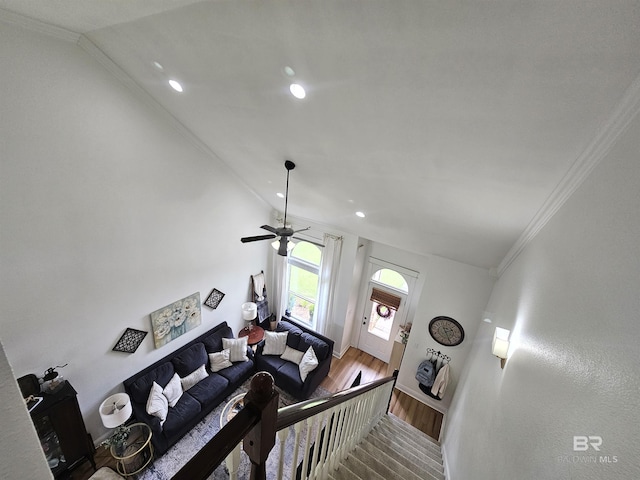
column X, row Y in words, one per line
column 175, row 85
column 280, row 195
column 360, row 214
column 158, row 66
column 289, row 71
column 297, row 91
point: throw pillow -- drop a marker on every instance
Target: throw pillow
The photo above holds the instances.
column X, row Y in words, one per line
column 308, row 363
column 193, row 378
column 220, row 360
column 173, row 390
column 238, row 348
column 274, row 343
column 292, row 355
column 157, row 404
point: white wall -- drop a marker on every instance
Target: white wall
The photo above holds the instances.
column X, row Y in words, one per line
column 18, row 433
column 571, row 300
column 107, row 214
column 443, row 287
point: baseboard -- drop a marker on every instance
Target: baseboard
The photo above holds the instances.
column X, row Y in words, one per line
column 445, row 465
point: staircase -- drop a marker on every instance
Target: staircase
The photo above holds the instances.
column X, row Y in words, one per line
column 393, row 449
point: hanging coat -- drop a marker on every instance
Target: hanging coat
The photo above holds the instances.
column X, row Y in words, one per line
column 441, row 381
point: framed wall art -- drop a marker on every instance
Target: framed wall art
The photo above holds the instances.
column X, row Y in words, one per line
column 169, row 322
column 130, row 340
column 214, row 298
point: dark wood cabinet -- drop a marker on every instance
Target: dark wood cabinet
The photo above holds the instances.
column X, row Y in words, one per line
column 62, row 432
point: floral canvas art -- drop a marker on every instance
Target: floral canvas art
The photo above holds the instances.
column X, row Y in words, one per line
column 169, row 322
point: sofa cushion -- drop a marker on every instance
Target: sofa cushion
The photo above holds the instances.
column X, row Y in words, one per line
column 213, row 343
column 293, row 338
column 308, row 363
column 238, row 347
column 140, row 389
column 320, row 346
column 288, row 377
column 274, row 343
column 185, row 410
column 237, row 371
column 194, row 378
column 157, row 404
column 207, row 390
column 219, row 360
column 173, row 390
column 292, row 355
column 190, row 360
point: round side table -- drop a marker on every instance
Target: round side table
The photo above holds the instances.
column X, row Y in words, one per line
column 255, row 334
column 137, row 453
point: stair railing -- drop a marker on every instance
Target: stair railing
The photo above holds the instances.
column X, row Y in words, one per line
column 324, row 431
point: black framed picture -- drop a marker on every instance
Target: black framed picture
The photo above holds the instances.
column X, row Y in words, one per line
column 130, row 340
column 214, row 298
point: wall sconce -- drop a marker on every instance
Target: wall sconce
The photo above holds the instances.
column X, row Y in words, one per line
column 500, row 344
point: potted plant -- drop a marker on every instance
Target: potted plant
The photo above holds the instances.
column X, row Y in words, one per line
column 118, row 440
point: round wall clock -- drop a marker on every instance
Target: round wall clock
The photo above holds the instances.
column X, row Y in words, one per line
column 446, row 331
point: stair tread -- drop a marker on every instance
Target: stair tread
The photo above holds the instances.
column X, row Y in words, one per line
column 383, row 464
column 358, row 469
column 401, row 454
column 399, row 463
column 410, row 429
column 408, row 442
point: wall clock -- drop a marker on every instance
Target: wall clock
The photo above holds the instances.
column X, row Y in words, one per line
column 446, row 331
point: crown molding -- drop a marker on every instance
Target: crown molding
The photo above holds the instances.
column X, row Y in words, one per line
column 626, row 110
column 38, row 26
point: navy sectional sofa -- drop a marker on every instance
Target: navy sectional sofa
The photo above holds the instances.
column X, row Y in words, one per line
column 199, row 400
column 285, row 373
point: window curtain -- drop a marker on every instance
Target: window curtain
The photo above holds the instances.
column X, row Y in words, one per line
column 280, row 284
column 328, row 277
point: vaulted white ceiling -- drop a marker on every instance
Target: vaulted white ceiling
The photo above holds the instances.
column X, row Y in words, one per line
column 449, row 123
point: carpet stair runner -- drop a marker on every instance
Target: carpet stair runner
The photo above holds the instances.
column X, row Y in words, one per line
column 393, row 449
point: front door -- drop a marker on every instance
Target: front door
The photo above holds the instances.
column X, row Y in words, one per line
column 380, row 322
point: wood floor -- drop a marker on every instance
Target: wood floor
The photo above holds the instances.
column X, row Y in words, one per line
column 343, row 372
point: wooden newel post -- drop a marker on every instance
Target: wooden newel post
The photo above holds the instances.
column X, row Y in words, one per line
column 263, row 398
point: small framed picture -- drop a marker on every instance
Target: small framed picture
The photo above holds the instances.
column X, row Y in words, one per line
column 130, row 340
column 214, row 298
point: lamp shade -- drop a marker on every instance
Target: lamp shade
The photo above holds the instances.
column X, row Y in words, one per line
column 249, row 311
column 500, row 344
column 115, row 410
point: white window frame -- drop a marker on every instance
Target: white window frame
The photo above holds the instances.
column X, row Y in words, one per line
column 311, row 268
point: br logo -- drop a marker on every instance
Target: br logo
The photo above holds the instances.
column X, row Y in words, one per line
column 582, row 443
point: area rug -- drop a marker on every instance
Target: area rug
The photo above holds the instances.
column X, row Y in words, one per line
column 176, row 457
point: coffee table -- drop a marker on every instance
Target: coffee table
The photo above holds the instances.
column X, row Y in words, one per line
column 231, row 408
column 255, row 334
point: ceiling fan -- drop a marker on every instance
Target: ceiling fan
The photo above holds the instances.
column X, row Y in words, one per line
column 284, row 232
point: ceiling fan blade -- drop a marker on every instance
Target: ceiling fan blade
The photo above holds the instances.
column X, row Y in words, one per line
column 282, row 250
column 301, row 230
column 256, row 238
column 269, row 228
column 309, row 241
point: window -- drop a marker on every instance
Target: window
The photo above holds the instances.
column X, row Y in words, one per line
column 303, row 266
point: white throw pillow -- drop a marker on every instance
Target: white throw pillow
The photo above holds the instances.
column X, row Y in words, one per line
column 173, row 390
column 157, row 404
column 308, row 363
column 238, row 347
column 193, row 378
column 292, row 355
column 220, row 360
column 274, row 343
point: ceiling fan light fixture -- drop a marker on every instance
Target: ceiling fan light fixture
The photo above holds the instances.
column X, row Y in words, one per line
column 276, row 245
